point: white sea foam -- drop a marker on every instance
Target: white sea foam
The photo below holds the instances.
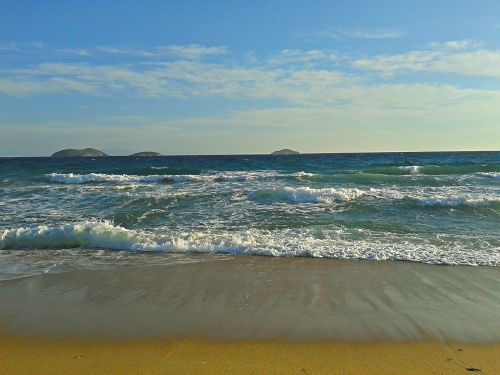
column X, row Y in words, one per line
column 307, row 195
column 412, row 169
column 303, row 174
column 444, row 197
column 454, row 201
column 339, row 243
column 88, row 234
column 447, row 196
column 495, row 175
column 72, row 178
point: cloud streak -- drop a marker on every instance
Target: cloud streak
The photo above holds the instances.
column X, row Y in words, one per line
column 373, row 34
column 463, row 58
column 313, row 78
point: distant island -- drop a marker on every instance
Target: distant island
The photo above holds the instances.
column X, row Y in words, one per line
column 74, row 153
column 146, row 153
column 285, row 151
column 92, row 152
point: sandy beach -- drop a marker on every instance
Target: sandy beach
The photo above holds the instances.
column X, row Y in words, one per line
column 227, row 314
column 249, row 187
column 192, row 356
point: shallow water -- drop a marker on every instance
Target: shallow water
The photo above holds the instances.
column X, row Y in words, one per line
column 259, row 298
column 60, row 214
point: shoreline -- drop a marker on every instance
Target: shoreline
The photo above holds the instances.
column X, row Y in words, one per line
column 36, row 355
column 253, row 315
column 259, row 298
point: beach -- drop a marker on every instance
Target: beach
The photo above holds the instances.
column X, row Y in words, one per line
column 322, row 263
column 191, row 356
column 254, row 315
column 249, row 187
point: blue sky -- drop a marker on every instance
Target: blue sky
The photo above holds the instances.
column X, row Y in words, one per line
column 217, row 77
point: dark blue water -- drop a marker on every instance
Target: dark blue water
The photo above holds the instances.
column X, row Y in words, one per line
column 439, row 208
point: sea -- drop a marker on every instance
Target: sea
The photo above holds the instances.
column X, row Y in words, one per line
column 61, row 214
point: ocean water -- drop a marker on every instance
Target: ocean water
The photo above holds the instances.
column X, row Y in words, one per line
column 64, row 214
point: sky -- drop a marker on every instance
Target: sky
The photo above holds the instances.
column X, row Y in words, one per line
column 244, row 77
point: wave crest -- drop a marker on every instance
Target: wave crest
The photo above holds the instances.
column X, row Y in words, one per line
column 72, row 178
column 434, row 170
column 88, row 234
column 307, row 195
column 411, row 169
column 338, row 243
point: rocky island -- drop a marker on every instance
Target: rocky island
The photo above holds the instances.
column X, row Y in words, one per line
column 75, row 153
column 146, row 153
column 285, row 151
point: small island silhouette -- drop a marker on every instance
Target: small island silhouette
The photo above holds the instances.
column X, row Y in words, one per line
column 75, row 153
column 92, row 152
column 146, row 153
column 285, row 151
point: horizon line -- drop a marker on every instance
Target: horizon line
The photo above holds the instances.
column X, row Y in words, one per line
column 259, row 154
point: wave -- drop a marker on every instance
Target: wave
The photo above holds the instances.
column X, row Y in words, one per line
column 338, row 243
column 411, row 169
column 72, row 178
column 434, row 170
column 456, row 201
column 307, row 195
column 444, row 197
column 374, row 174
column 89, row 234
column 303, row 174
column 420, row 197
column 495, row 175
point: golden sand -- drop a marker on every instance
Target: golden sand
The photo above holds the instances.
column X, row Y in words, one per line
column 195, row 356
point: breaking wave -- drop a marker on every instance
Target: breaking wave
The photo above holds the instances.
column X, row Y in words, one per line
column 338, row 243
column 307, row 195
column 424, row 197
column 495, row 175
column 445, row 197
column 434, row 170
column 72, row 178
column 411, row 169
column 447, row 201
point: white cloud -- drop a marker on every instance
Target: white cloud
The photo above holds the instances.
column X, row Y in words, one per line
column 353, row 117
column 80, row 52
column 192, row 51
column 9, row 47
column 297, row 56
column 304, row 78
column 455, row 45
column 456, row 57
column 176, row 79
column 54, row 85
column 374, row 34
column 188, row 52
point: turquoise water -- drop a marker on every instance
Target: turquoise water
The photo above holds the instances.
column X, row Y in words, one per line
column 437, row 208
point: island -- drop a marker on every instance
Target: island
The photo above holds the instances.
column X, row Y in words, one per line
column 285, row 151
column 75, row 153
column 146, row 153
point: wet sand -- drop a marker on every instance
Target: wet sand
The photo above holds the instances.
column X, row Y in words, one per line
column 260, row 298
column 254, row 315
